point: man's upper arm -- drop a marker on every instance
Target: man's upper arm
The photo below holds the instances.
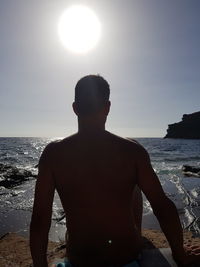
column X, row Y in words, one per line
column 148, row 181
column 44, row 189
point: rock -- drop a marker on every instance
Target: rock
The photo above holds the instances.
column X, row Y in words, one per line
column 11, row 176
column 188, row 128
column 191, row 171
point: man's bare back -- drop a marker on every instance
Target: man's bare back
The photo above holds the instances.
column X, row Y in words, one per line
column 95, row 174
column 95, row 177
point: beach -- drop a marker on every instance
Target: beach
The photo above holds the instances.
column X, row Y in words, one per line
column 14, row 249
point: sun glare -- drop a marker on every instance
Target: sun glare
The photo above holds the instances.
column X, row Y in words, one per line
column 79, row 29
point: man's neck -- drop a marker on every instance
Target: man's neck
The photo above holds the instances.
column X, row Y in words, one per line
column 90, row 127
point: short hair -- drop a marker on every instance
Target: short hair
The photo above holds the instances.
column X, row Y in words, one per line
column 92, row 92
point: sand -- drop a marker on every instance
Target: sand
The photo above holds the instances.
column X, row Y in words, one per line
column 14, row 249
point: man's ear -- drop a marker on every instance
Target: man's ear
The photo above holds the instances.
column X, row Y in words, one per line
column 75, row 108
column 107, row 107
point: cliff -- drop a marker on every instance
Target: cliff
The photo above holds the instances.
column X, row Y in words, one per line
column 188, row 128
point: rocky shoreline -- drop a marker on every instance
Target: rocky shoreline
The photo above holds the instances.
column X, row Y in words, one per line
column 188, row 128
column 11, row 176
column 191, row 171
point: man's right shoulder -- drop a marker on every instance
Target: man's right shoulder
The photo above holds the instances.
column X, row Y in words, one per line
column 136, row 151
column 131, row 144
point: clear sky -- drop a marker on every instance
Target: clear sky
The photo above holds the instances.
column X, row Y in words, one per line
column 149, row 52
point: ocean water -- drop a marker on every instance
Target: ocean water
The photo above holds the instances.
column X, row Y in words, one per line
column 19, row 157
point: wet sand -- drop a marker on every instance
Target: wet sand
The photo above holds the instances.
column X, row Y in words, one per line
column 14, row 249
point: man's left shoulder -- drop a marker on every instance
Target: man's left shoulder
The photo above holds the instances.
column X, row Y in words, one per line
column 50, row 147
column 57, row 144
column 47, row 154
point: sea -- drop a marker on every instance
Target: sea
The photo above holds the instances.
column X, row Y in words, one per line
column 18, row 173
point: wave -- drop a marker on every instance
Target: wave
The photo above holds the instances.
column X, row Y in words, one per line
column 175, row 159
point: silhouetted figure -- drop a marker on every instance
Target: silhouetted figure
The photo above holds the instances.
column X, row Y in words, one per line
column 97, row 175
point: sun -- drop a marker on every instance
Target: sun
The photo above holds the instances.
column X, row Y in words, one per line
column 79, row 29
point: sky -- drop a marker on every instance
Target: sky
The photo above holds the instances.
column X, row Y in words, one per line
column 149, row 52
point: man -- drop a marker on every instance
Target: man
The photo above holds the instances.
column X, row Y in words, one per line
column 96, row 174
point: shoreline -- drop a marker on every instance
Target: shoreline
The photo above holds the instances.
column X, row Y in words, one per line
column 14, row 248
column 57, row 231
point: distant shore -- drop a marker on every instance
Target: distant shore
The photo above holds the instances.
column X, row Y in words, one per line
column 14, row 249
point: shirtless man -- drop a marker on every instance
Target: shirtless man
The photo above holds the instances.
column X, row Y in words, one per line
column 96, row 174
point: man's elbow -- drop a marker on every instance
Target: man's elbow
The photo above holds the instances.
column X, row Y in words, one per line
column 38, row 225
column 164, row 208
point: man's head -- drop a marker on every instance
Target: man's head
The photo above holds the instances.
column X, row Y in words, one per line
column 91, row 96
